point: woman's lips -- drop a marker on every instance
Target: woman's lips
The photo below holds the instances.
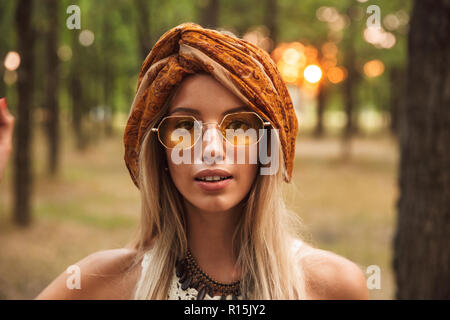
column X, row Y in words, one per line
column 213, row 185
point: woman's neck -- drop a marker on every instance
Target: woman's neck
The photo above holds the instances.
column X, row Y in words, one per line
column 209, row 238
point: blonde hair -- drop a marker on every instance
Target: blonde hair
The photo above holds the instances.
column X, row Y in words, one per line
column 263, row 237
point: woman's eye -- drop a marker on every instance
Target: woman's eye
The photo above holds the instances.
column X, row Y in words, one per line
column 236, row 124
column 186, row 124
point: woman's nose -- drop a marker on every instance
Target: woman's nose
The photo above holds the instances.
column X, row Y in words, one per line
column 212, row 144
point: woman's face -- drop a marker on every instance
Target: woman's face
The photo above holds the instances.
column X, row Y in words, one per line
column 203, row 97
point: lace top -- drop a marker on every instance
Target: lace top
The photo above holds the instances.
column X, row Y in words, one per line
column 175, row 291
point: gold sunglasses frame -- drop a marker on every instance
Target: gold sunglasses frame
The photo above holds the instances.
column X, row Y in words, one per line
column 201, row 124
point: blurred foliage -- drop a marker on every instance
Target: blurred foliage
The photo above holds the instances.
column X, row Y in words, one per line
column 116, row 44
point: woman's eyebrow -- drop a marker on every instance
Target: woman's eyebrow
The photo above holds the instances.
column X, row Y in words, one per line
column 194, row 111
column 182, row 109
column 241, row 108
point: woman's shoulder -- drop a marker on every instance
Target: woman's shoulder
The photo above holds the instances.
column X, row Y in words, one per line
column 107, row 274
column 331, row 276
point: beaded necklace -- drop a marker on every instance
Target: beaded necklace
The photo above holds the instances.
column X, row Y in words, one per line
column 192, row 276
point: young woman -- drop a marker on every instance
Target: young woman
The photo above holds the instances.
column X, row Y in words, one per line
column 212, row 227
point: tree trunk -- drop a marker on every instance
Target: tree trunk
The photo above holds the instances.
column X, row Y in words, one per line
column 349, row 102
column 271, row 21
column 397, row 96
column 51, row 90
column 349, row 87
column 421, row 243
column 321, row 104
column 5, row 32
column 108, row 73
column 349, row 94
column 23, row 132
column 143, row 28
column 77, row 94
column 210, row 14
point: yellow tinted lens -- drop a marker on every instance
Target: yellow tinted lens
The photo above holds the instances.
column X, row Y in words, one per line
column 242, row 128
column 178, row 131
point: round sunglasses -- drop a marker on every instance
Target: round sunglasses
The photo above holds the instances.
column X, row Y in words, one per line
column 183, row 131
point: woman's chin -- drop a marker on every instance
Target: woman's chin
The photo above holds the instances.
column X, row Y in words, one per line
column 214, row 204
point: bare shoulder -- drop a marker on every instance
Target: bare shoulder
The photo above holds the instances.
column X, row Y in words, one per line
column 331, row 276
column 108, row 274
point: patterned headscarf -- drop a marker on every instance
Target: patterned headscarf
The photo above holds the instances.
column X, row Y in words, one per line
column 240, row 66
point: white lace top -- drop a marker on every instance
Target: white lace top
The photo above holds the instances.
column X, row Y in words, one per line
column 175, row 291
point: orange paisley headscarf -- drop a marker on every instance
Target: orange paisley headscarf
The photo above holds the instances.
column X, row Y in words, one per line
column 240, row 66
